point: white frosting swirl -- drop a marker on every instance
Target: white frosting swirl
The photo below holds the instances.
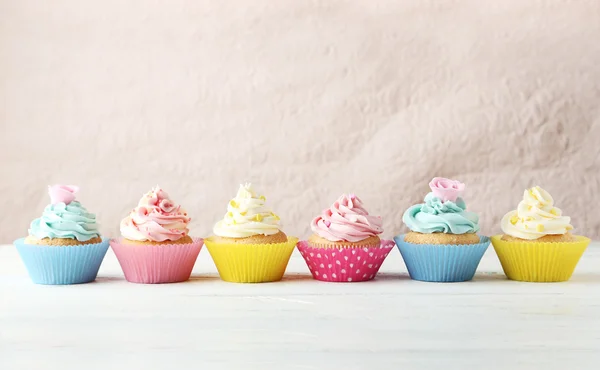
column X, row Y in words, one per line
column 535, row 217
column 247, row 216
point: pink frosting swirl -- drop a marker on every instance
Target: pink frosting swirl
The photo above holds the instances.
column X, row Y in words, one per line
column 156, row 218
column 346, row 220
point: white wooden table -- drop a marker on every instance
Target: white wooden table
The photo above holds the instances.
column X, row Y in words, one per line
column 299, row 323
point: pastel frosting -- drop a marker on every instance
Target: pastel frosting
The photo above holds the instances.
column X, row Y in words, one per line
column 444, row 211
column 156, row 218
column 65, row 217
column 247, row 215
column 535, row 217
column 346, row 220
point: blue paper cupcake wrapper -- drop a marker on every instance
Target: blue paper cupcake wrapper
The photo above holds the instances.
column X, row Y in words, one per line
column 442, row 262
column 60, row 265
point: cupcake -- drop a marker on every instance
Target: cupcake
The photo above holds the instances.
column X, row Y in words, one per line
column 248, row 245
column 345, row 245
column 64, row 245
column 155, row 246
column 443, row 245
column 537, row 244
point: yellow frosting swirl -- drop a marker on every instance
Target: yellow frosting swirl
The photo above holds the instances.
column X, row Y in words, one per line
column 247, row 216
column 535, row 217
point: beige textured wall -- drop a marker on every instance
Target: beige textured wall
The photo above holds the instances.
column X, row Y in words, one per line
column 307, row 99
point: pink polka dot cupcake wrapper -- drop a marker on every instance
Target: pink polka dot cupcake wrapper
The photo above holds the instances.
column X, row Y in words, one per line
column 345, row 264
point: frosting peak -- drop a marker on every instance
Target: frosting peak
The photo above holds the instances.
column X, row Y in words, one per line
column 247, row 216
column 535, row 217
column 346, row 220
column 156, row 218
column 443, row 211
column 64, row 217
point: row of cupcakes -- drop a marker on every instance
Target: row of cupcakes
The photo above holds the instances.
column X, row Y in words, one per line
column 64, row 245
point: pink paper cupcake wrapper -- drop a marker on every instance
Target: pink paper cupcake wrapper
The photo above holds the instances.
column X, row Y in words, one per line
column 157, row 264
column 345, row 264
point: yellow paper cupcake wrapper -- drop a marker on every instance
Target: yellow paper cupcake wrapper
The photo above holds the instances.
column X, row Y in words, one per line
column 251, row 263
column 539, row 261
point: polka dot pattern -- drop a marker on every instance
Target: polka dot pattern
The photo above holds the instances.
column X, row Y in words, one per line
column 345, row 264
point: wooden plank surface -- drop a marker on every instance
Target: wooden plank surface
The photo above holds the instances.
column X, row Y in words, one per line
column 390, row 323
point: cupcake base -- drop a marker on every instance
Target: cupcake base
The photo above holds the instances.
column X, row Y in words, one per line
column 250, row 263
column 183, row 240
column 62, row 264
column 567, row 237
column 345, row 263
column 157, row 263
column 317, row 241
column 442, row 263
column 32, row 240
column 441, row 238
column 280, row 237
column 542, row 262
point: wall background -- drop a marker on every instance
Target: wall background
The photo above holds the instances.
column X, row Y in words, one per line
column 305, row 99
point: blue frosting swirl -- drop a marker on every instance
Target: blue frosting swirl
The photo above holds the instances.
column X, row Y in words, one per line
column 70, row 221
column 435, row 216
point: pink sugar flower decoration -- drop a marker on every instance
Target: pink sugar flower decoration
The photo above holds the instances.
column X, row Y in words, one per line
column 446, row 189
column 62, row 193
column 166, row 205
column 160, row 193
